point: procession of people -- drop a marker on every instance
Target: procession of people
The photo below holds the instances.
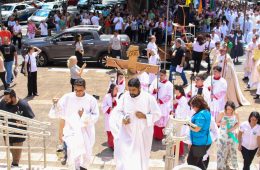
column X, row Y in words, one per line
column 137, row 108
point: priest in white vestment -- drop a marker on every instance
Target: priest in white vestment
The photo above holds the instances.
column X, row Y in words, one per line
column 163, row 93
column 256, row 71
column 131, row 123
column 248, row 65
column 78, row 113
column 234, row 92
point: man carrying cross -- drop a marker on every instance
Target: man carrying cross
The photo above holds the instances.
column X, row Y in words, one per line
column 131, row 123
column 133, row 67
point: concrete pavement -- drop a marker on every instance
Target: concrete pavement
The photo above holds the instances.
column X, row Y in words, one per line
column 54, row 82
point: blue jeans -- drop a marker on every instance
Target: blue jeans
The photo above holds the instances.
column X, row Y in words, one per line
column 183, row 76
column 9, row 71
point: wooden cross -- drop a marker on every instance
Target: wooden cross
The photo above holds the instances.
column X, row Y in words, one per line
column 132, row 65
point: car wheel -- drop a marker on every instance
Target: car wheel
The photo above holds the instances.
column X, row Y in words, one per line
column 42, row 60
column 102, row 60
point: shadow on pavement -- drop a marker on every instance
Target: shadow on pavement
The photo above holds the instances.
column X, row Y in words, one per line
column 157, row 145
column 106, row 154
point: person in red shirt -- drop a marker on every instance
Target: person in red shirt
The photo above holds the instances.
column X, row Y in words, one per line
column 5, row 33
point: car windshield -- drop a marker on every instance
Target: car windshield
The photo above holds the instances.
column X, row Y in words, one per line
column 7, row 8
column 46, row 6
column 41, row 13
column 82, row 1
column 99, row 7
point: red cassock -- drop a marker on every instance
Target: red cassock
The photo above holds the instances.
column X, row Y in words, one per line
column 158, row 132
column 110, row 140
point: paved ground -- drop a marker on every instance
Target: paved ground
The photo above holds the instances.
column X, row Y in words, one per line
column 54, row 82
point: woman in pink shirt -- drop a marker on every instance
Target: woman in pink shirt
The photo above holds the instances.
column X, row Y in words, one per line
column 31, row 30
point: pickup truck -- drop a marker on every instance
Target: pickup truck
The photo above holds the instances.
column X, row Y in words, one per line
column 58, row 48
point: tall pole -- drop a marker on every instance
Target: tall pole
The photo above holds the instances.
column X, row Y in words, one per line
column 244, row 25
column 1, row 21
column 167, row 20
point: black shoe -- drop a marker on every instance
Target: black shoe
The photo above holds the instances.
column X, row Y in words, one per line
column 257, row 96
column 82, row 168
column 14, row 165
column 63, row 161
column 245, row 79
column 248, row 86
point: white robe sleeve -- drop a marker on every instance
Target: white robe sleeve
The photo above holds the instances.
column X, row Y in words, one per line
column 105, row 103
column 116, row 117
column 155, row 112
column 92, row 117
column 57, row 110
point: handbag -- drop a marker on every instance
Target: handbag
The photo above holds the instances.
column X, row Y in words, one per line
column 28, row 66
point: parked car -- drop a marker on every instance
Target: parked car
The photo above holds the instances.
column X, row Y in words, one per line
column 72, row 10
column 98, row 8
column 40, row 15
column 51, row 6
column 23, row 11
column 84, row 4
column 59, row 48
column 58, row 2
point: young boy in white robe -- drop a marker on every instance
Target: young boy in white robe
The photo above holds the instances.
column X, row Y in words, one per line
column 218, row 90
column 78, row 113
column 198, row 88
column 119, row 81
column 163, row 93
column 108, row 104
column 131, row 124
column 181, row 110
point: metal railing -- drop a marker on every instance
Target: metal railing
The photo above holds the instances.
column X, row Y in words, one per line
column 35, row 130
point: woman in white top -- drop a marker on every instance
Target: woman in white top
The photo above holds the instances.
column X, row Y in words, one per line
column 249, row 139
column 31, row 70
column 152, row 46
column 2, row 71
column 79, row 50
column 198, row 49
column 75, row 70
column 153, row 59
column 17, row 34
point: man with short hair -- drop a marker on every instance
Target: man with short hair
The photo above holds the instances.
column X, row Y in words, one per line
column 177, row 62
column 78, row 113
column 217, row 86
column 199, row 88
column 9, row 52
column 118, row 21
column 163, row 93
column 11, row 103
column 115, row 45
column 131, row 123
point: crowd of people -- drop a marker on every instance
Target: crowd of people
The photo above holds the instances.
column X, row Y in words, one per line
column 136, row 115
